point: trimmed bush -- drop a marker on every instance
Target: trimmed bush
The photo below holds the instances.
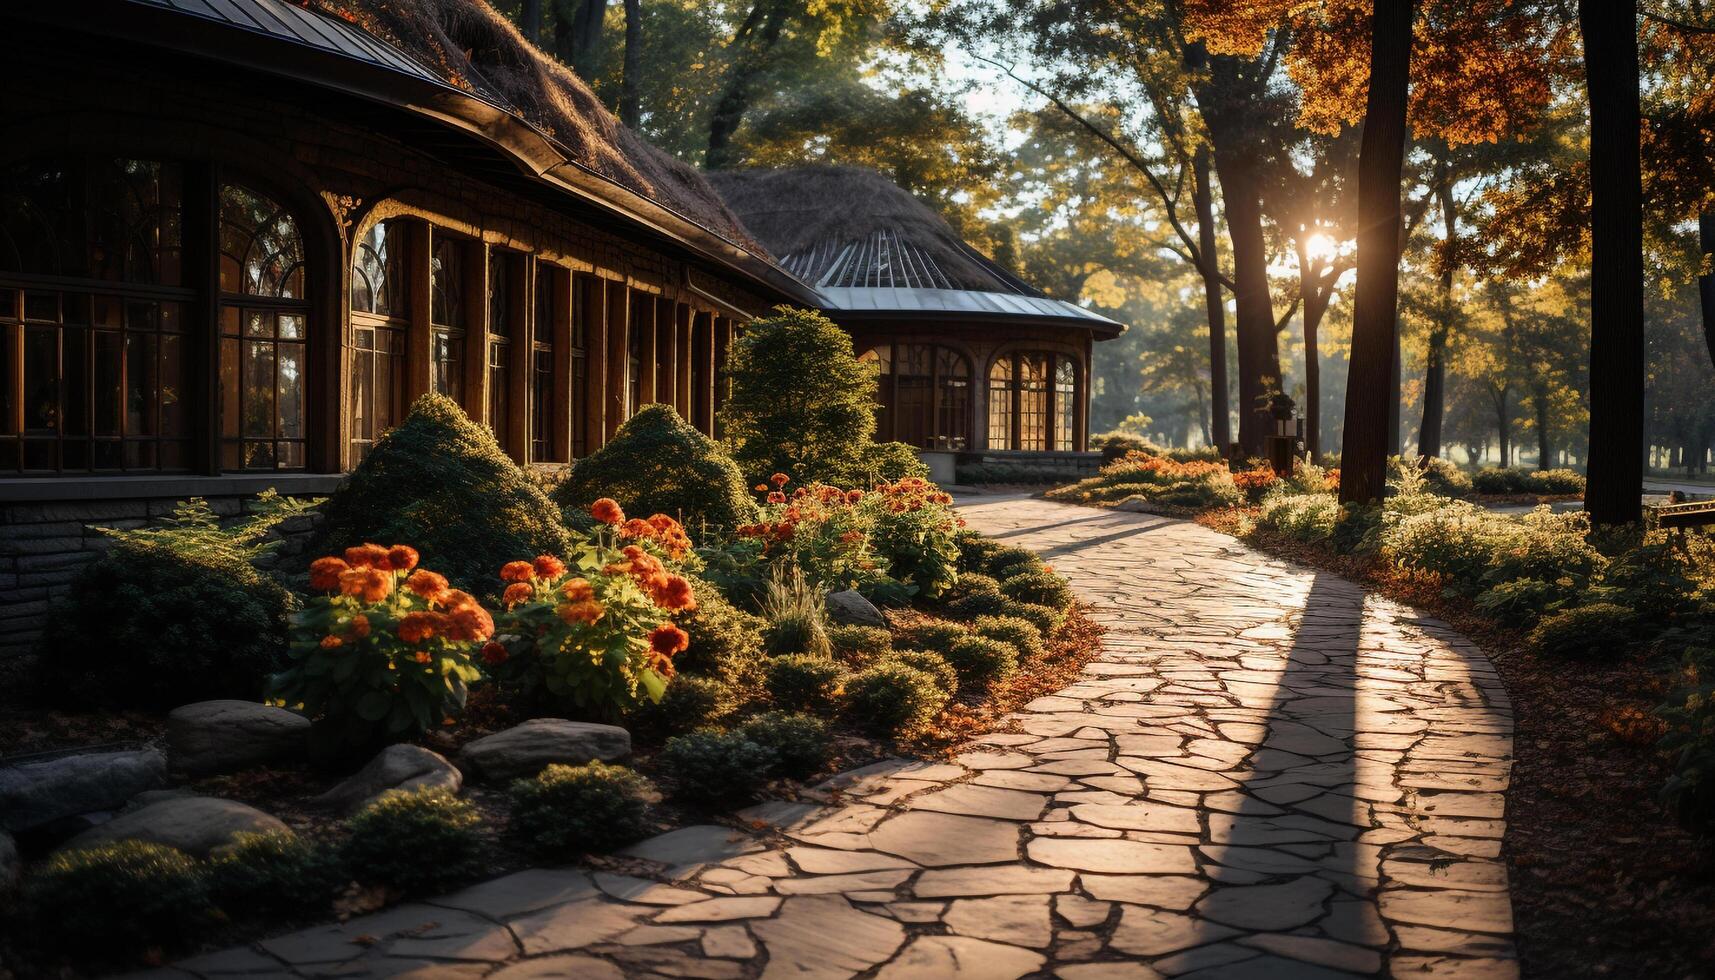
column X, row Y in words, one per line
column 938, row 635
column 659, row 464
column 804, row 682
column 859, row 644
column 1445, row 477
column 691, row 702
column 566, row 811
column 1046, row 619
column 975, row 550
column 893, row 699
column 1600, row 628
column 417, row 843
column 931, row 663
column 1008, row 560
column 114, row 901
column 1307, row 517
column 716, row 770
column 1017, row 632
column 276, row 874
column 1042, row 588
column 1522, row 601
column 892, row 461
column 980, row 604
column 440, row 483
column 973, row 583
column 982, row 661
column 726, row 641
column 801, row 742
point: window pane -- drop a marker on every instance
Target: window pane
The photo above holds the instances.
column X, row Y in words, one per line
column 378, row 271
column 263, row 358
column 262, row 253
column 447, row 279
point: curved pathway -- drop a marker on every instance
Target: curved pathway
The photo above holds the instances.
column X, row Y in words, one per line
column 1266, row 774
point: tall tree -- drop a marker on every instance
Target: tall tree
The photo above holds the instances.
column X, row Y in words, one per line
column 1613, row 490
column 630, row 97
column 1375, row 307
column 530, row 20
column 577, row 35
column 1214, row 305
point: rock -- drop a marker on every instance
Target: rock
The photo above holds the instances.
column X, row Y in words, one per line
column 958, row 956
column 11, row 866
column 211, row 737
column 196, row 825
column 852, row 609
column 524, row 750
column 36, row 793
column 396, row 767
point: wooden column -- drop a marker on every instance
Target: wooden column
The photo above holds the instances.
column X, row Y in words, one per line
column 595, row 363
column 1081, row 423
column 560, row 336
column 682, row 327
column 476, row 333
column 643, row 321
column 521, row 303
column 667, row 346
column 705, row 347
column 618, row 350
column 201, row 242
column 420, row 340
column 723, row 382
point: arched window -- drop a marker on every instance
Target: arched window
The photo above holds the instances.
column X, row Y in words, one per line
column 93, row 352
column 925, row 395
column 1033, row 399
column 264, row 333
column 380, row 324
column 447, row 314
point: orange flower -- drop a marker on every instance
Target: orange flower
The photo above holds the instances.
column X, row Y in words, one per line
column 762, row 488
column 668, row 639
column 469, row 623
column 324, row 573
column 517, row 571
column 421, row 656
column 606, row 510
column 452, row 599
column 494, row 654
column 402, row 558
column 549, row 566
column 368, row 556
column 415, row 627
column 853, row 496
column 664, row 524
column 637, row 527
column 517, row 592
column 367, row 584
column 779, row 479
column 360, row 626
column 776, row 497
column 586, row 612
column 675, row 593
column 426, row 583
column 578, row 590
column 330, row 641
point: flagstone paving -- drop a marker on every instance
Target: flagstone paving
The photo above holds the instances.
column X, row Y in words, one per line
column 1265, row 774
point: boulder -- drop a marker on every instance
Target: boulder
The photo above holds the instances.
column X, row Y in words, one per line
column 211, row 737
column 11, row 866
column 852, row 609
column 396, row 767
column 36, row 793
column 196, row 825
column 524, row 749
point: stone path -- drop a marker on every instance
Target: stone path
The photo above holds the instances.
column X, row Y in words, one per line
column 1266, row 774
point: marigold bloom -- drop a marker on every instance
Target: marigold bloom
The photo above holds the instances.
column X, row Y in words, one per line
column 776, row 497
column 421, row 656
column 517, row 571
column 368, row 556
column 606, row 510
column 578, row 590
column 451, row 599
column 367, row 584
column 360, row 626
column 324, row 573
column 661, row 665
column 494, row 653
column 549, row 566
column 663, row 524
column 426, row 583
column 853, row 496
column 779, row 479
column 668, row 639
column 469, row 623
column 675, row 593
column 415, row 627
column 585, row 612
column 517, row 592
column 402, row 558
column 637, row 527
column 762, row 488
column 330, row 641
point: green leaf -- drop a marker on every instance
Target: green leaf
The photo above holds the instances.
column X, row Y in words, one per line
column 373, row 706
column 655, row 684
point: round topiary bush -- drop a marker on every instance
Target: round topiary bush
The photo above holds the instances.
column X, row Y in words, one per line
column 982, row 661
column 1008, row 560
column 891, row 698
column 858, row 645
column 931, row 663
column 440, row 483
column 938, row 635
column 275, row 874
column 802, row 682
column 417, row 843
column 1585, row 631
column 1046, row 619
column 973, row 583
column 1016, row 631
column 566, row 811
column 1042, row 588
column 114, row 901
column 691, row 702
column 725, row 641
column 801, row 741
column 659, row 464
column 716, row 770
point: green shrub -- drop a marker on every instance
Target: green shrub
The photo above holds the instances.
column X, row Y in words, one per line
column 973, row 583
column 1309, row 517
column 1522, row 601
column 938, row 635
column 1046, row 619
column 859, row 644
column 982, row 661
column 725, row 641
column 975, row 550
column 717, row 770
column 918, row 546
column 114, row 901
column 1016, row 631
column 1008, row 560
column 1443, row 476
column 804, row 682
column 691, row 702
column 800, row 404
column 440, row 483
column 1689, row 740
column 890, row 698
column 796, row 613
column 171, row 614
column 658, row 464
column 801, row 742
column 1561, row 481
column 892, row 461
column 981, row 604
column 931, row 663
column 1585, row 631
column 1656, row 579
column 416, row 843
column 1115, row 445
column 566, row 811
column 1042, row 588
column 1498, row 480
column 276, row 874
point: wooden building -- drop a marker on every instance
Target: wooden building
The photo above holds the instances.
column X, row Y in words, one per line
column 971, row 359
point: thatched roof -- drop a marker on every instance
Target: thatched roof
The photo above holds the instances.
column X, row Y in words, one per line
column 848, row 226
column 473, row 47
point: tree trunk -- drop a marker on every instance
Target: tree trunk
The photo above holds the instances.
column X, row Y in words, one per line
column 530, row 20
column 630, row 102
column 1220, row 417
column 1543, row 453
column 1434, row 364
column 1395, row 397
column 1259, row 352
column 1314, row 296
column 1375, row 304
column 1613, row 490
column 577, row 35
column 748, row 62
column 1503, row 427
